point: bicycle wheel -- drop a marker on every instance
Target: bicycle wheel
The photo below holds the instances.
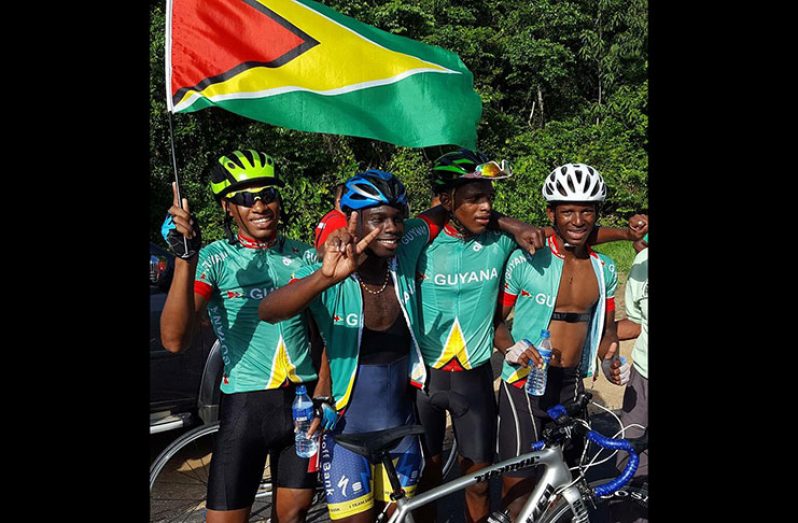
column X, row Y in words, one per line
column 450, row 457
column 629, row 504
column 179, row 480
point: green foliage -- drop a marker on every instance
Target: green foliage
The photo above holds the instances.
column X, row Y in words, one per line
column 560, row 81
column 622, row 253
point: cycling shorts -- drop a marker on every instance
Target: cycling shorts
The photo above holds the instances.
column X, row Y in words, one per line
column 522, row 417
column 469, row 398
column 254, row 425
column 379, row 401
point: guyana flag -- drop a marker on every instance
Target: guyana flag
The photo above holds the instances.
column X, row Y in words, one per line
column 301, row 65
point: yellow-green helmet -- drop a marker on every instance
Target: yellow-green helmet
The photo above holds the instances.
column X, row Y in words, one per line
column 241, row 169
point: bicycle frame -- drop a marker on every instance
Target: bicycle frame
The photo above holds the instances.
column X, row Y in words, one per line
column 556, row 475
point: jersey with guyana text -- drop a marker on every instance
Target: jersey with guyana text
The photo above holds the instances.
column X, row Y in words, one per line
column 458, row 284
column 338, row 312
column 233, row 278
column 532, row 284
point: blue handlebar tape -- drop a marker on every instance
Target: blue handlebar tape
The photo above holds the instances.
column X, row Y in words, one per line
column 631, row 466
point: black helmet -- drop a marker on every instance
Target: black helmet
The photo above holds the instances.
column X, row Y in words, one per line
column 459, row 166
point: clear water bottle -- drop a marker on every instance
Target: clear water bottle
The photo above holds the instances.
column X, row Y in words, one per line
column 303, row 414
column 536, row 381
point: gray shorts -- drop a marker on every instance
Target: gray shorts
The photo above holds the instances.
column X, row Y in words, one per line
column 635, row 410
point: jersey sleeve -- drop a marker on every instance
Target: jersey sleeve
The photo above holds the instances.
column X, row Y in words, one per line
column 507, row 244
column 305, row 270
column 434, row 230
column 633, row 311
column 205, row 276
column 610, row 281
column 415, row 238
column 509, row 292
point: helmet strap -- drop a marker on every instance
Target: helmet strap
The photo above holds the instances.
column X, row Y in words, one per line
column 232, row 238
column 453, row 221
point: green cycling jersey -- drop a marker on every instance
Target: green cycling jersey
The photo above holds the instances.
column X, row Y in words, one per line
column 532, row 284
column 338, row 312
column 233, row 279
column 458, row 285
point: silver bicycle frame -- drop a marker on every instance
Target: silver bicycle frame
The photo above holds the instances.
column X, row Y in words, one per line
column 556, row 475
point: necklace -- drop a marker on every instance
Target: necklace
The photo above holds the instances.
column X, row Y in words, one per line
column 384, row 284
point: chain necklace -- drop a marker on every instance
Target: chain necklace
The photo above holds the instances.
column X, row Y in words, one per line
column 384, row 284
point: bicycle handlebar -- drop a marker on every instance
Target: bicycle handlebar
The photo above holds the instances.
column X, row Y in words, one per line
column 631, row 465
column 562, row 416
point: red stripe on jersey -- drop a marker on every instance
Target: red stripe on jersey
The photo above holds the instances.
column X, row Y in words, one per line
column 519, row 384
column 203, row 289
column 507, row 299
column 434, row 230
column 610, row 304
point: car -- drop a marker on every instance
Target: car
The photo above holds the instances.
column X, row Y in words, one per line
column 184, row 386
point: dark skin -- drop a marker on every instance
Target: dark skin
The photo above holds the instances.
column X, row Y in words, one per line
column 381, row 228
column 184, row 309
column 470, row 207
column 578, row 292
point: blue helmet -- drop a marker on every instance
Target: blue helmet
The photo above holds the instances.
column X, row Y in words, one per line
column 372, row 189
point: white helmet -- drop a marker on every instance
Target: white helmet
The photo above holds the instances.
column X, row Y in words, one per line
column 574, row 182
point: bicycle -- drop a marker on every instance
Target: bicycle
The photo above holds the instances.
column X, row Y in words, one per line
column 558, row 497
column 179, row 480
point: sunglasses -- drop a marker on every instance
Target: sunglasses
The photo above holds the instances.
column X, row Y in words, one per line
column 491, row 170
column 248, row 199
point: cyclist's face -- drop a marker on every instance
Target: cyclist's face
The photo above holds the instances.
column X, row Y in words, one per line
column 472, row 205
column 393, row 227
column 573, row 221
column 258, row 222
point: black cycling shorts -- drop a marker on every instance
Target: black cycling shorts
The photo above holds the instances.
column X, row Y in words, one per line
column 469, row 398
column 522, row 417
column 254, row 425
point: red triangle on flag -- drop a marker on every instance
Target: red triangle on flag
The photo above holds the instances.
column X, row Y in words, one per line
column 215, row 40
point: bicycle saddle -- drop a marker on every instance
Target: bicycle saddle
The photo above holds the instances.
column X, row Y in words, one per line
column 375, row 443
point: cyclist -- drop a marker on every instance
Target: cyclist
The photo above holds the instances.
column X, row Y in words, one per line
column 459, row 280
column 262, row 363
column 570, row 290
column 362, row 298
column 459, row 276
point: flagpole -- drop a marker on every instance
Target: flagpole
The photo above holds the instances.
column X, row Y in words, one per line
column 174, row 166
column 169, row 104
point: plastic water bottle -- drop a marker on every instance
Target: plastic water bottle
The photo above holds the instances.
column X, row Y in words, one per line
column 303, row 414
column 536, row 381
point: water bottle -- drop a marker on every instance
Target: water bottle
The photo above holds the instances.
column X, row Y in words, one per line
column 536, row 381
column 302, row 409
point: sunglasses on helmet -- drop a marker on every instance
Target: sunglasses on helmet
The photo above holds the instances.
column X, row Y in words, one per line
column 248, row 198
column 491, row 171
